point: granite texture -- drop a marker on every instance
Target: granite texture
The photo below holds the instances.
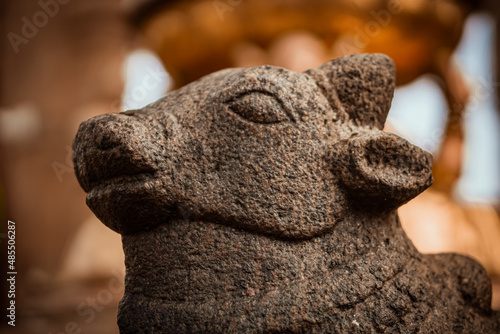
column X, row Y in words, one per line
column 262, row 200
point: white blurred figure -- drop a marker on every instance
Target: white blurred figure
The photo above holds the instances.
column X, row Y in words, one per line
column 146, row 80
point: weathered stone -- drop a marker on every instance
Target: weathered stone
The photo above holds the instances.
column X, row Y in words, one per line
column 264, row 200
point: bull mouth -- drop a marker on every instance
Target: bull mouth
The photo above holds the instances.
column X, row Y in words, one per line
column 103, row 175
column 116, row 182
column 128, row 203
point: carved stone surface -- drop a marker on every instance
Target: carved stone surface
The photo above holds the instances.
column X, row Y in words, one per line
column 263, row 200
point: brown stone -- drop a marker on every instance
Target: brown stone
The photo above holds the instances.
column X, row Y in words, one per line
column 262, row 200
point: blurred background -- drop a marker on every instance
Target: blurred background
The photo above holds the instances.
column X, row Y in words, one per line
column 64, row 61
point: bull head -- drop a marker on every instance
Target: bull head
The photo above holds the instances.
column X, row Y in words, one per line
column 264, row 149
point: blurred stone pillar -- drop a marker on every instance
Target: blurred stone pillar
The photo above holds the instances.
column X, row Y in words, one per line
column 64, row 70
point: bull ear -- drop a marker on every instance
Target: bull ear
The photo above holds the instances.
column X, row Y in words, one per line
column 361, row 85
column 381, row 171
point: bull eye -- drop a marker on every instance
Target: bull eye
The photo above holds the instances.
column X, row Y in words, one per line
column 258, row 107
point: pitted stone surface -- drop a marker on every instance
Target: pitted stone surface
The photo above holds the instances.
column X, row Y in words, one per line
column 263, row 200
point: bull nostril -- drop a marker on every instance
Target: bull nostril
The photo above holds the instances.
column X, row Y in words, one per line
column 110, row 131
column 107, row 139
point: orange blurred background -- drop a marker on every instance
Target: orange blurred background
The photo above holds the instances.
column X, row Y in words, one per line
column 64, row 61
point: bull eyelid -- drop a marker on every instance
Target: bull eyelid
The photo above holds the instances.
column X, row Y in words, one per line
column 251, row 91
column 270, row 118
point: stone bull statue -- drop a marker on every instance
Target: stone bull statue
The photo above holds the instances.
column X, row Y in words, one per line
column 262, row 200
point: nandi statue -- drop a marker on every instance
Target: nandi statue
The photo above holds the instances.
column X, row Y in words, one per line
column 262, row 200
